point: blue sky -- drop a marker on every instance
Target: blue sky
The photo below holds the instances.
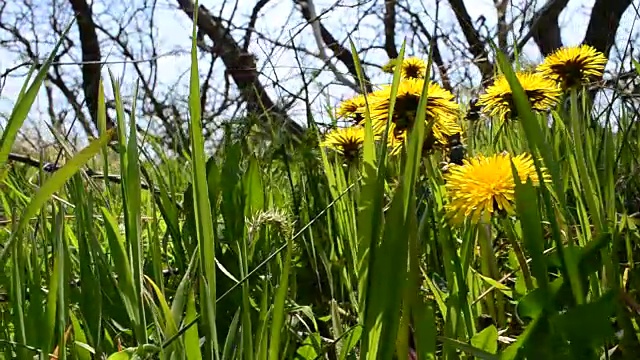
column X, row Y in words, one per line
column 280, row 20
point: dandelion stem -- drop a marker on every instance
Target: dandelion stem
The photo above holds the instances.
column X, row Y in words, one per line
column 489, row 266
column 517, row 250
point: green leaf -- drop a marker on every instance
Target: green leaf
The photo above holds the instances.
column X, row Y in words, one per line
column 170, row 328
column 595, row 316
column 469, row 349
column 494, row 283
column 229, row 349
column 425, row 328
column 376, row 304
column 532, row 305
column 60, row 268
column 126, row 354
column 18, row 303
column 636, row 65
column 142, row 352
column 351, row 339
column 307, row 350
column 90, row 251
column 253, row 189
column 183, row 291
column 530, row 220
column 387, row 275
column 486, row 340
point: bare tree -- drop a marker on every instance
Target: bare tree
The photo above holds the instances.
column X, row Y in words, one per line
column 242, row 51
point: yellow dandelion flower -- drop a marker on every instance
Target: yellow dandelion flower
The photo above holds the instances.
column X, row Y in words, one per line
column 352, row 108
column 573, row 66
column 348, row 140
column 442, row 129
column 412, row 67
column 379, row 126
column 485, row 184
column 394, row 144
column 397, row 139
column 440, row 106
column 543, row 94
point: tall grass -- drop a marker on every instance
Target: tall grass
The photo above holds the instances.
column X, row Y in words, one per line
column 283, row 254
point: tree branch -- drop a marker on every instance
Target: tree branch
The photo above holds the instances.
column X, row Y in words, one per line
column 604, row 23
column 433, row 44
column 90, row 58
column 503, row 28
column 390, row 29
column 476, row 45
column 240, row 64
column 545, row 29
column 339, row 51
column 252, row 23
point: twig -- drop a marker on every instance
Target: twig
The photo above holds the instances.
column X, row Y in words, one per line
column 51, row 167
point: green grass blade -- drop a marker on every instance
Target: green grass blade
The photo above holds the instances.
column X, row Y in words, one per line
column 469, row 349
column 387, row 277
column 18, row 303
column 51, row 185
column 278, row 311
column 121, row 263
column 60, row 267
column 133, row 211
column 102, row 129
column 180, row 297
column 88, row 250
column 204, row 221
column 370, row 214
column 130, row 187
column 191, row 337
column 529, row 215
column 536, row 141
column 24, row 103
column 80, row 345
column 169, row 327
column 230, row 341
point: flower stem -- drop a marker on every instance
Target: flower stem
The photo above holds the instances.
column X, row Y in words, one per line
column 517, row 250
column 489, row 267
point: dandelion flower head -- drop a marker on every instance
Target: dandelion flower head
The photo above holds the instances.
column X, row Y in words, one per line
column 573, row 66
column 542, row 92
column 440, row 107
column 485, row 184
column 346, row 141
column 412, row 68
column 352, row 108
